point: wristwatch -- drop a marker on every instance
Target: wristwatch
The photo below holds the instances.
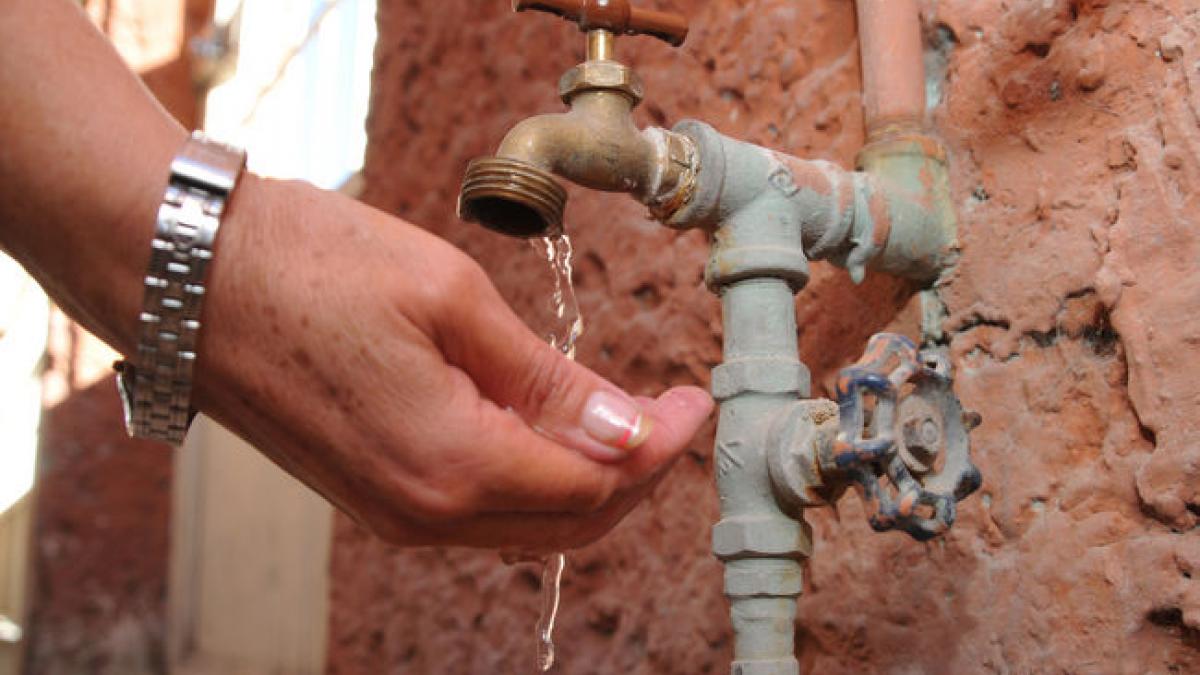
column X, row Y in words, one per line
column 156, row 384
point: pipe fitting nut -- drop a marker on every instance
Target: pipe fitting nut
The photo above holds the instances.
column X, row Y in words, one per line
column 760, row 376
column 601, row 76
column 764, row 536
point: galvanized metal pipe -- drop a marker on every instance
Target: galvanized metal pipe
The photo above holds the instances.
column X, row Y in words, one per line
column 895, row 216
column 760, row 545
column 749, row 200
column 768, row 213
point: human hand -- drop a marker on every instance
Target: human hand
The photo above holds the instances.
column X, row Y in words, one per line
column 378, row 364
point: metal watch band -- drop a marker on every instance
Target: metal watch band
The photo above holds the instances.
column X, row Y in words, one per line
column 157, row 387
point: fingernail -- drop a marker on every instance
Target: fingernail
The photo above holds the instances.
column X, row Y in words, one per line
column 616, row 421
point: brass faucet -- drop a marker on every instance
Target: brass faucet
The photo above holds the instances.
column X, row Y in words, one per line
column 595, row 144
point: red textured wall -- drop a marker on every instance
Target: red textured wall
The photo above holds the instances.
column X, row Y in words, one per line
column 1072, row 321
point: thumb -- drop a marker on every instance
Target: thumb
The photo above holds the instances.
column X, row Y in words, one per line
column 512, row 367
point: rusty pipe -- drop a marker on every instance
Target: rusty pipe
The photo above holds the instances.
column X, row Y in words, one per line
column 895, row 217
column 893, row 66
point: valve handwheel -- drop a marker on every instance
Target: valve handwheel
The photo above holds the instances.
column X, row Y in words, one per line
column 616, row 16
column 906, row 438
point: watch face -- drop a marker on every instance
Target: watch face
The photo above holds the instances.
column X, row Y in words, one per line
column 125, row 380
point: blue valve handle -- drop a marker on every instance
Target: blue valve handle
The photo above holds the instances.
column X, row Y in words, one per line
column 866, row 453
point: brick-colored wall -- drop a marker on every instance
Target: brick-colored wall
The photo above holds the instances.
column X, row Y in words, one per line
column 1073, row 129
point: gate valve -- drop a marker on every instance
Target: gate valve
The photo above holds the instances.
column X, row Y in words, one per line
column 916, row 437
column 615, row 16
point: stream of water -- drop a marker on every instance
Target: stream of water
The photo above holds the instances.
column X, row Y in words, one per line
column 566, row 331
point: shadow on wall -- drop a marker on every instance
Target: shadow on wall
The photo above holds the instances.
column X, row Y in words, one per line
column 100, row 532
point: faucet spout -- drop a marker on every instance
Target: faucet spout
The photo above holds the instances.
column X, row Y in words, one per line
column 596, row 144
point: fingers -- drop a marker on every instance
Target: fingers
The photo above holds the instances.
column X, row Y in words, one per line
column 527, row 471
column 530, row 535
column 677, row 415
column 525, row 535
column 515, row 369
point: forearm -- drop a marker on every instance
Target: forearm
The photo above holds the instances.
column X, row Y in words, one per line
column 84, row 155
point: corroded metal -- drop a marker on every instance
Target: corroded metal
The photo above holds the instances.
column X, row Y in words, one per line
column 915, row 227
column 761, row 542
column 798, row 439
column 922, row 502
column 893, row 65
column 596, row 144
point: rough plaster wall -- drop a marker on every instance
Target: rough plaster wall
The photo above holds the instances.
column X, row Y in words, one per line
column 102, row 502
column 1072, row 318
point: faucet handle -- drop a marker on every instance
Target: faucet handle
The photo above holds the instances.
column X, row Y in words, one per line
column 616, row 16
column 917, row 437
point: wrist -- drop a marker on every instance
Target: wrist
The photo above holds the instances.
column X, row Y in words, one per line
column 236, row 283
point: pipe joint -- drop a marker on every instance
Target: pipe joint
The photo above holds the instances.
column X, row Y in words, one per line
column 909, row 212
column 761, row 536
column 771, row 213
column 760, row 375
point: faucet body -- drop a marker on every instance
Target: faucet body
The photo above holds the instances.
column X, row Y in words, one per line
column 777, row 451
column 595, row 144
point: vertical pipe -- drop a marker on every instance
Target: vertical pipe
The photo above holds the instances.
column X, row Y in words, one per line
column 760, row 545
column 600, row 45
column 893, row 65
column 759, row 318
column 907, row 165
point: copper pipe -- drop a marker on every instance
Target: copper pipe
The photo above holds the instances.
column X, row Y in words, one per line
column 893, row 66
